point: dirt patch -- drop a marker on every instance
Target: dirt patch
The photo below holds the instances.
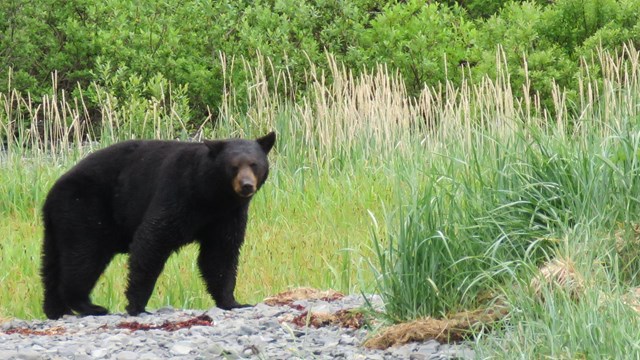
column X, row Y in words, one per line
column 458, row 327
column 303, row 293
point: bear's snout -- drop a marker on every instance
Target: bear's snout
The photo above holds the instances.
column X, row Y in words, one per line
column 245, row 182
column 247, row 189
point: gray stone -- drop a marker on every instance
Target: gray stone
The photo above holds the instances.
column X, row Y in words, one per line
column 127, row 355
column 165, row 310
column 99, row 353
column 267, row 339
column 19, row 324
column 68, row 350
column 149, row 356
column 404, row 351
column 321, row 308
column 247, row 330
column 455, row 352
column 215, row 312
column 119, row 339
column 37, row 348
column 268, row 323
column 181, row 348
column 347, row 340
column 374, row 357
column 428, row 347
column 251, row 351
column 213, row 349
column 29, row 354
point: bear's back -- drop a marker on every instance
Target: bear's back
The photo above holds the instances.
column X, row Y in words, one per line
column 131, row 161
column 122, row 177
column 107, row 164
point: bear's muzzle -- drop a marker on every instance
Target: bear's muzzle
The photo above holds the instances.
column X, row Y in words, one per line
column 245, row 182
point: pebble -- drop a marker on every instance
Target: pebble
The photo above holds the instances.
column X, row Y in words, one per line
column 257, row 332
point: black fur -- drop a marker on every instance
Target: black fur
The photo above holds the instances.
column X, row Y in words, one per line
column 149, row 198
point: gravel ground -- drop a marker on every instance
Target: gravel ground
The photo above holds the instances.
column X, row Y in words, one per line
column 260, row 332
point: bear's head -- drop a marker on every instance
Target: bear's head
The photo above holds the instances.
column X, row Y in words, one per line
column 244, row 163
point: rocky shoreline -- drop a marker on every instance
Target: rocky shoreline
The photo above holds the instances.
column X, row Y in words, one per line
column 279, row 331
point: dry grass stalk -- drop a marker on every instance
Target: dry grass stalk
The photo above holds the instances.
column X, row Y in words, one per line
column 346, row 318
column 632, row 299
column 561, row 274
column 457, row 327
column 624, row 243
column 302, row 293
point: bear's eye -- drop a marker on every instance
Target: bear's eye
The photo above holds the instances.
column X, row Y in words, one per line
column 234, row 168
column 253, row 166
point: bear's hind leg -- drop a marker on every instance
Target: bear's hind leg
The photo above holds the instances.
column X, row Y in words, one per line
column 80, row 220
column 87, row 250
column 54, row 306
column 79, row 276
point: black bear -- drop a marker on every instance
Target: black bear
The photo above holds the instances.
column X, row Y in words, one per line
column 148, row 198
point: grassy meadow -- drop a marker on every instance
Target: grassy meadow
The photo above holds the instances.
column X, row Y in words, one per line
column 448, row 201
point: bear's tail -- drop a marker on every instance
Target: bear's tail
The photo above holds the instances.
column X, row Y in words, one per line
column 54, row 306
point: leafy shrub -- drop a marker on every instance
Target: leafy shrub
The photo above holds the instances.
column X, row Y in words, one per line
column 486, row 8
column 426, row 43
column 203, row 47
column 570, row 22
column 551, row 40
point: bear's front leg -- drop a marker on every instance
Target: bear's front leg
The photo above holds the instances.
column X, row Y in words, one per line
column 219, row 271
column 148, row 253
column 218, row 260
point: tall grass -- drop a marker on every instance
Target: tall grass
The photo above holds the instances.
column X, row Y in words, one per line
column 464, row 190
column 311, row 215
column 495, row 200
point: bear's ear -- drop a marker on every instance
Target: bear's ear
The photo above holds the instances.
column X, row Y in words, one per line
column 266, row 142
column 215, row 146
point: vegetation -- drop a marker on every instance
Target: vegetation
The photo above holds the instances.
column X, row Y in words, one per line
column 459, row 213
column 131, row 49
column 445, row 197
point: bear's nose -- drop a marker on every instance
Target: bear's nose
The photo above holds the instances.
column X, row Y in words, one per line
column 247, row 188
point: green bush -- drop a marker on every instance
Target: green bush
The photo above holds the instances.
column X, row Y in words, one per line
column 426, row 43
column 542, row 46
column 569, row 23
column 486, row 8
column 515, row 31
column 203, row 46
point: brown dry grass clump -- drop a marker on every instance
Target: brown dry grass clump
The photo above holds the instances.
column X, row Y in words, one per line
column 303, row 293
column 628, row 243
column 561, row 274
column 346, row 318
column 632, row 299
column 455, row 328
